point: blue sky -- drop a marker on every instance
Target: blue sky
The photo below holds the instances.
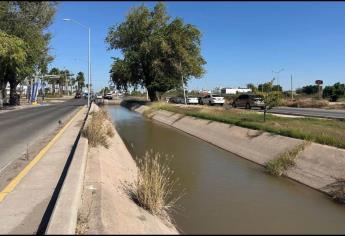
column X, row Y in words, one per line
column 242, row 42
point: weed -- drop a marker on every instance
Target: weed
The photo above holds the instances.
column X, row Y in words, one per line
column 285, row 160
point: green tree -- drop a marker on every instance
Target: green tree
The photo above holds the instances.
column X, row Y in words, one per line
column 157, row 51
column 12, row 58
column 266, row 87
column 28, row 21
column 53, row 81
column 252, row 87
column 80, row 80
column 334, row 92
column 310, row 89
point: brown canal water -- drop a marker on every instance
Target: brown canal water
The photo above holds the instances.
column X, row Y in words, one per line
column 226, row 194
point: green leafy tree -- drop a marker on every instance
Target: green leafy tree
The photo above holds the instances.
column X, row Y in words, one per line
column 12, row 58
column 28, row 21
column 266, row 87
column 53, row 81
column 334, row 92
column 252, row 87
column 309, row 89
column 157, row 51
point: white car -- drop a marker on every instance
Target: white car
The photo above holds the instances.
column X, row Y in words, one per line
column 192, row 100
column 99, row 96
column 212, row 99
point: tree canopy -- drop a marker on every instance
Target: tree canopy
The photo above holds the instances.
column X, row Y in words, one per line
column 80, row 79
column 156, row 50
column 24, row 25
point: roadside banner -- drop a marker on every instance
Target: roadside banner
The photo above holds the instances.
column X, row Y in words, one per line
column 36, row 86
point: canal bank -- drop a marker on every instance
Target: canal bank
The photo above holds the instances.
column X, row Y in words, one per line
column 317, row 166
column 106, row 207
column 224, row 193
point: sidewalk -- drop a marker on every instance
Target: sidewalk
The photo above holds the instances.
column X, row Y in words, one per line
column 22, row 209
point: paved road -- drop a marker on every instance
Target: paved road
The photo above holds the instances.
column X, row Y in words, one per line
column 30, row 128
column 312, row 112
column 309, row 112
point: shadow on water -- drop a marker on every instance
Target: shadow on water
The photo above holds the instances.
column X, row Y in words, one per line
column 226, row 194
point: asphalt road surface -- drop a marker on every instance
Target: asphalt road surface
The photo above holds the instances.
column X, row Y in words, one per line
column 21, row 131
column 312, row 112
column 308, row 112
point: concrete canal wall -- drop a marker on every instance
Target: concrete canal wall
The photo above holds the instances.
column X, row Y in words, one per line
column 106, row 207
column 316, row 166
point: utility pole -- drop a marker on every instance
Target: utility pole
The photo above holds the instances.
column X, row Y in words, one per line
column 291, row 89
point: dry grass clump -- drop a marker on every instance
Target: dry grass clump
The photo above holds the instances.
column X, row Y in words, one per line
column 306, row 103
column 98, row 129
column 284, row 161
column 153, row 188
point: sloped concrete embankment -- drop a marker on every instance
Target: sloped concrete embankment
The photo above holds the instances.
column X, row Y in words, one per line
column 317, row 165
column 106, row 208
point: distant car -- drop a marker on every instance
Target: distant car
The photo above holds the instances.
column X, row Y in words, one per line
column 192, row 100
column 212, row 99
column 77, row 95
column 98, row 96
column 108, row 96
column 248, row 101
column 173, row 100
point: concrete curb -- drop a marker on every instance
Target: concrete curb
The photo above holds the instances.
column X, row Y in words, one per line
column 65, row 214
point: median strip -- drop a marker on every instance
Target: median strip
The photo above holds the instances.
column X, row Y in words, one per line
column 12, row 185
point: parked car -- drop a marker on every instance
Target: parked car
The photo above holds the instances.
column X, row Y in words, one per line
column 108, row 96
column 192, row 100
column 77, row 95
column 212, row 99
column 99, row 96
column 248, row 101
column 175, row 100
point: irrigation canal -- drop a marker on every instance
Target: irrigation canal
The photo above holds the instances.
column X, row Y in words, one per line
column 225, row 194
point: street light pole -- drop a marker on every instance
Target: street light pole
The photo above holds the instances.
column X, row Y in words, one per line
column 89, row 73
column 277, row 72
column 89, row 58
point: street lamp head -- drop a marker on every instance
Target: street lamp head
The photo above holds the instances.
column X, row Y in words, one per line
column 66, row 19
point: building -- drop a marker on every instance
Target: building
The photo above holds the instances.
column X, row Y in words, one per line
column 235, row 90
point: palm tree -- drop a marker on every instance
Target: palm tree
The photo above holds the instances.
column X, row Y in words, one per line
column 53, row 71
column 80, row 80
